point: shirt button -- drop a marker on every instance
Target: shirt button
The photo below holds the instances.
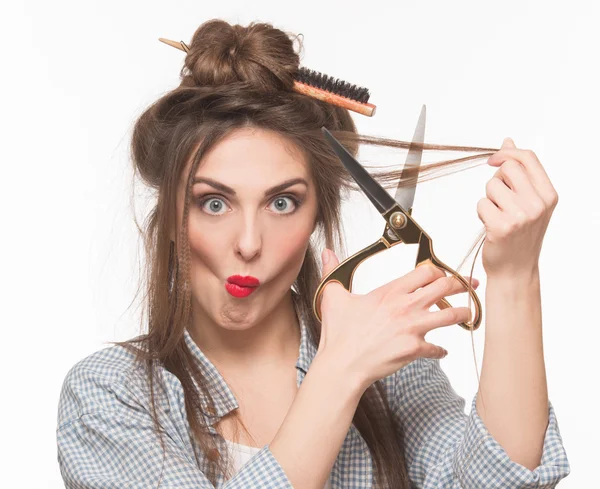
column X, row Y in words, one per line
column 211, row 410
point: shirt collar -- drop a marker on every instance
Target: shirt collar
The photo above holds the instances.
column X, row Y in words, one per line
column 222, row 395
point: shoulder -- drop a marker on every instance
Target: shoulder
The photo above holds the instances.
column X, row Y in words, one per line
column 104, row 380
column 113, row 363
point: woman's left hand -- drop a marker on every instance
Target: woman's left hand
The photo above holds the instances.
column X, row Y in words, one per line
column 516, row 212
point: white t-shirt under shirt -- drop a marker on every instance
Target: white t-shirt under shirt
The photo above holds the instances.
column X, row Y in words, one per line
column 240, row 454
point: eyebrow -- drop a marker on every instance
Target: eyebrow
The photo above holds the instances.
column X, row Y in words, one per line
column 229, row 190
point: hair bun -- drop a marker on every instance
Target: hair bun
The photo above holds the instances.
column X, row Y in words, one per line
column 259, row 54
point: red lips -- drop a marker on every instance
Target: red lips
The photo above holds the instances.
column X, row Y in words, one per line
column 244, row 281
column 241, row 286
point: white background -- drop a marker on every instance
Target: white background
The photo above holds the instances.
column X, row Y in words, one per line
column 76, row 75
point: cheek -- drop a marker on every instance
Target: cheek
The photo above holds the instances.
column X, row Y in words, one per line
column 290, row 248
column 206, row 246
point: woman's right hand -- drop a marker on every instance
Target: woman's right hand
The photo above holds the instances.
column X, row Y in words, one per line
column 374, row 335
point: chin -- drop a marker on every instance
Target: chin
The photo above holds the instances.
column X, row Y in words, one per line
column 237, row 314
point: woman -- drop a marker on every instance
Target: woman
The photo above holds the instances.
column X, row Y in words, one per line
column 244, row 181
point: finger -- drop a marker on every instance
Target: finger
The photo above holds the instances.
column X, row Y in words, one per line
column 513, row 174
column 421, row 276
column 429, row 350
column 443, row 287
column 537, row 174
column 330, row 261
column 413, row 280
column 502, row 196
column 443, row 317
column 488, row 213
column 524, row 194
column 508, row 143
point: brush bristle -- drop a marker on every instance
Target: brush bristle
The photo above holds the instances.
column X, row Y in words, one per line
column 326, row 82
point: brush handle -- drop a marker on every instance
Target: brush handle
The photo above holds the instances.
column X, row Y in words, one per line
column 332, row 98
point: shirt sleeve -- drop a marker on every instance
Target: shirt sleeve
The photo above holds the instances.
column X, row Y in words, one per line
column 445, row 448
column 107, row 439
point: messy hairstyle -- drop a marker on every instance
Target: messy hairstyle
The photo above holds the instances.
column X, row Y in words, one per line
column 235, row 77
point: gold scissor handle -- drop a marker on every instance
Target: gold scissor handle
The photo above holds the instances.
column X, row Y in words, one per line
column 344, row 272
column 411, row 233
column 427, row 256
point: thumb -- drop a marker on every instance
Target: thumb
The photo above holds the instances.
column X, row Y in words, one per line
column 508, row 143
column 495, row 159
column 330, row 261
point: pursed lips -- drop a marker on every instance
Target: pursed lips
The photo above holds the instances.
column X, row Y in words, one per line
column 244, row 280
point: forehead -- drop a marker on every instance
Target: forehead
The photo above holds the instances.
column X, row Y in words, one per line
column 248, row 154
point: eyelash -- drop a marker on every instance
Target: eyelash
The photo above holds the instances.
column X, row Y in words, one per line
column 205, row 198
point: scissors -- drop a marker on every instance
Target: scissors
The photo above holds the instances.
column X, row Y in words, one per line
column 400, row 226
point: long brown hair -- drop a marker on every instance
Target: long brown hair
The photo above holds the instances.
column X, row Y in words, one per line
column 238, row 76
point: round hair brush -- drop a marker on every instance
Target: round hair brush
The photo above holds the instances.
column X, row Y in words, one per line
column 320, row 86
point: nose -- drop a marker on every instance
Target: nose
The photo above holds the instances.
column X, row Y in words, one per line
column 249, row 240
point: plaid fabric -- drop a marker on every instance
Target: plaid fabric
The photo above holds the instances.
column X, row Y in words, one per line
column 106, row 437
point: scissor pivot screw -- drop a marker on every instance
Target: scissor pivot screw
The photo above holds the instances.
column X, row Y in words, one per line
column 398, row 220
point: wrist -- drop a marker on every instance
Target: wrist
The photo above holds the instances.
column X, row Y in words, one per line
column 344, row 377
column 522, row 277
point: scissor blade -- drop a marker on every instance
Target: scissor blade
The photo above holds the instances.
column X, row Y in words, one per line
column 405, row 196
column 375, row 192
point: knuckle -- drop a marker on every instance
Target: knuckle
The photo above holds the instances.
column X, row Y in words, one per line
column 520, row 218
column 448, row 286
column 389, row 309
column 538, row 208
column 457, row 315
column 377, row 296
column 505, row 228
column 511, row 165
column 435, row 272
column 410, row 300
column 451, row 315
column 481, row 206
column 407, row 305
column 428, row 271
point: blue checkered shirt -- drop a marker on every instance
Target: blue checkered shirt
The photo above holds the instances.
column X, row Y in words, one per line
column 106, row 437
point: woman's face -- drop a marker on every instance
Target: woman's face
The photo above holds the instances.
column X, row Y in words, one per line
column 252, row 213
